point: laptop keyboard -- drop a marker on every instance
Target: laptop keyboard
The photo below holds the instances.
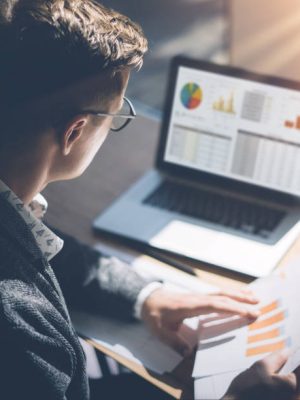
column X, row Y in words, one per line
column 214, row 207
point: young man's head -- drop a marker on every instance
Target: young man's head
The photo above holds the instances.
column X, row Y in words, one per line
column 60, row 59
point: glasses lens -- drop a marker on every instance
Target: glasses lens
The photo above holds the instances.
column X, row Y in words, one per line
column 119, row 122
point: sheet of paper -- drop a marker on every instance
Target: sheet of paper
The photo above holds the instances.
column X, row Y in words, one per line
column 231, row 345
column 292, row 363
column 131, row 340
column 213, row 387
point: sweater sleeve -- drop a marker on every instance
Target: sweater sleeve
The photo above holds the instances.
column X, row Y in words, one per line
column 92, row 282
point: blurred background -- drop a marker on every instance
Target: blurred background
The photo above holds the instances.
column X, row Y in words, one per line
column 265, row 36
column 261, row 35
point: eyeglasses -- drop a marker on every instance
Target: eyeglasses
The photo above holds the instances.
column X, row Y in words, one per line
column 120, row 120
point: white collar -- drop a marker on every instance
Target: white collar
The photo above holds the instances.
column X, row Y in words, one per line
column 49, row 243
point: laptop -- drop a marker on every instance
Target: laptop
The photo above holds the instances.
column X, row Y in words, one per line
column 225, row 188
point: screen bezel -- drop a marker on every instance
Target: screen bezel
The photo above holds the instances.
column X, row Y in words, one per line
column 208, row 178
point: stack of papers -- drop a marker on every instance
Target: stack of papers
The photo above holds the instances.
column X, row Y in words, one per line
column 229, row 346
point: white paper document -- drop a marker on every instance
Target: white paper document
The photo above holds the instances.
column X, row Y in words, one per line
column 213, row 387
column 292, row 363
column 231, row 344
column 130, row 340
column 228, row 347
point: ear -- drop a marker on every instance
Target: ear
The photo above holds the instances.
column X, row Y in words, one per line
column 72, row 133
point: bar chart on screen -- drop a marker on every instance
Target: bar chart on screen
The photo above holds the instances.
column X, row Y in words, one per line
column 289, row 115
column 293, row 124
column 225, row 105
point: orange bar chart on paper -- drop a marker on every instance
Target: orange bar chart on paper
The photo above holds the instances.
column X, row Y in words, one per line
column 270, row 307
column 276, row 328
column 263, row 333
column 280, row 316
column 259, row 337
column 268, row 348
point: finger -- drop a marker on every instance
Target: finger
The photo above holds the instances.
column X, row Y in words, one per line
column 244, row 296
column 275, row 361
column 176, row 342
column 246, row 290
column 219, row 305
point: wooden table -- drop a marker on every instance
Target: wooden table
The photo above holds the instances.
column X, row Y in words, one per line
column 73, row 205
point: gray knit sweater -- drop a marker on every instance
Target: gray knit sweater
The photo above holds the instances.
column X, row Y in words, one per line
column 40, row 355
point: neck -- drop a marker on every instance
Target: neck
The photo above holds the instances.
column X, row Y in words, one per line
column 25, row 178
column 26, row 188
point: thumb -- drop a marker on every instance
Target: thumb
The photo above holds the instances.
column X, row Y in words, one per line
column 276, row 360
column 177, row 343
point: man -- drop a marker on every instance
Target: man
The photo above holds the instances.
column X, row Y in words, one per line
column 64, row 69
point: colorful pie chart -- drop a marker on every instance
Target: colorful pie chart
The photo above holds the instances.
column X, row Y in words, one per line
column 191, row 96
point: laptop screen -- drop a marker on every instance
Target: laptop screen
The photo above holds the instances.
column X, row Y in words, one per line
column 235, row 128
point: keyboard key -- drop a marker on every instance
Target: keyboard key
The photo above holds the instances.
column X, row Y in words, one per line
column 214, row 207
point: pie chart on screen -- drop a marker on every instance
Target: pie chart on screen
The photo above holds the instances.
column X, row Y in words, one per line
column 191, row 95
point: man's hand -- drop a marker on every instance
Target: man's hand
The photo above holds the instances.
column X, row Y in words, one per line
column 261, row 381
column 163, row 311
